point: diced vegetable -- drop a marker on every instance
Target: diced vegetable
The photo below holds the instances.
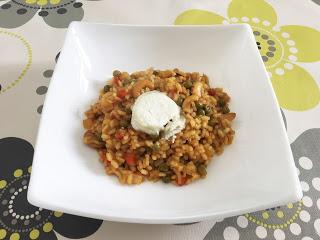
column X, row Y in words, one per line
column 202, row 170
column 121, row 93
column 106, row 88
column 130, row 159
column 188, row 84
column 116, row 73
column 212, row 92
column 172, row 93
column 119, row 135
column 116, row 81
column 182, row 181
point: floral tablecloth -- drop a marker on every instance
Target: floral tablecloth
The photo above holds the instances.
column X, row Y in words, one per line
column 31, row 36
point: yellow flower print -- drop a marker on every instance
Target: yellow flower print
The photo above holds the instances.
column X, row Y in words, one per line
column 19, row 219
column 55, row 13
column 43, row 2
column 280, row 48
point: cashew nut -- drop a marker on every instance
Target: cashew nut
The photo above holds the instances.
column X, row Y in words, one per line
column 88, row 123
column 166, row 74
column 197, row 89
column 195, row 76
column 136, row 90
column 106, row 102
column 229, row 116
column 92, row 140
column 186, row 106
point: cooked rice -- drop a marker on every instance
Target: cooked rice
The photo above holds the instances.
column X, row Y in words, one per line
column 135, row 156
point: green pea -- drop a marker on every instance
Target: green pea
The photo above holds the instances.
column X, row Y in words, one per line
column 106, row 88
column 197, row 163
column 225, row 110
column 221, row 103
column 179, row 101
column 212, row 122
column 158, row 162
column 201, row 112
column 166, row 179
column 207, row 109
column 127, row 81
column 169, row 173
column 188, row 84
column 205, row 78
column 141, row 151
column 116, row 73
column 154, row 137
column 163, row 167
column 156, row 146
column 99, row 137
column 202, row 170
column 124, row 123
column 148, row 149
column 198, row 106
column 184, row 161
column 128, row 110
column 177, row 71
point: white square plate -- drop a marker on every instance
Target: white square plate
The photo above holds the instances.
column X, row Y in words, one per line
column 256, row 172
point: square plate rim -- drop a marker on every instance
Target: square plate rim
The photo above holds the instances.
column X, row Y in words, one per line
column 36, row 200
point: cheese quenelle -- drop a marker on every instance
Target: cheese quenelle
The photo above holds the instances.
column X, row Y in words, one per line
column 154, row 112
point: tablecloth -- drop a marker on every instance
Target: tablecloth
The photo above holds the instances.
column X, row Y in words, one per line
column 31, row 36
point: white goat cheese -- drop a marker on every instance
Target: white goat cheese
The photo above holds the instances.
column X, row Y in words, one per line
column 154, row 111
